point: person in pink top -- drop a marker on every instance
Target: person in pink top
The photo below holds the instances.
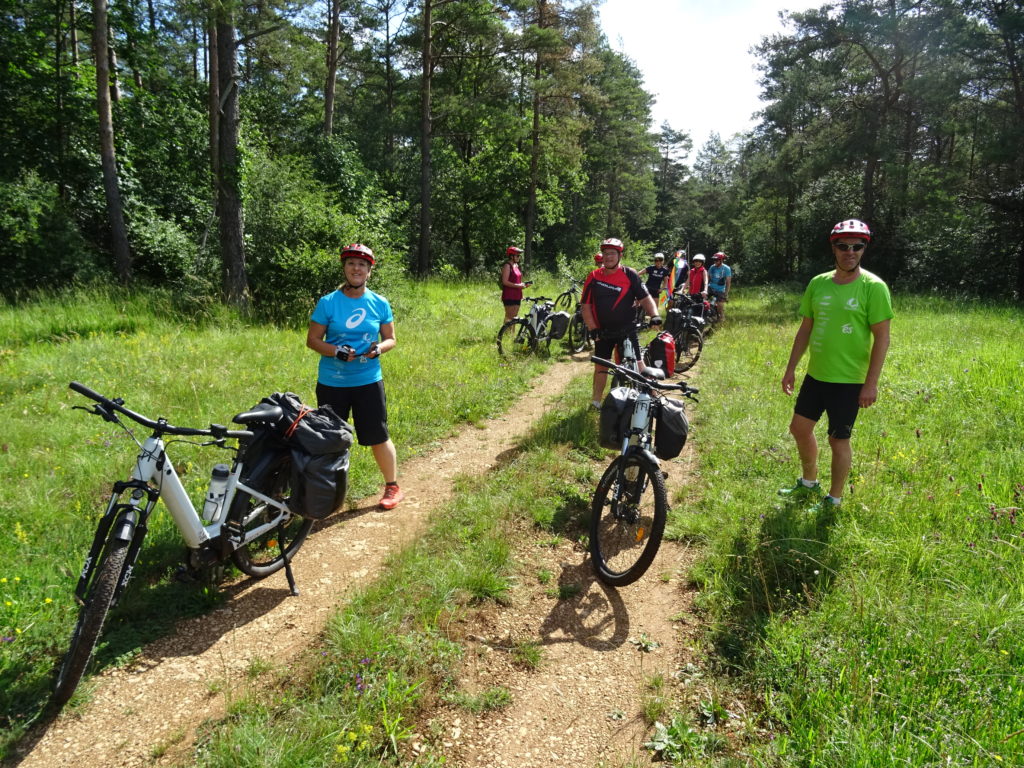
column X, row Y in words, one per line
column 512, row 283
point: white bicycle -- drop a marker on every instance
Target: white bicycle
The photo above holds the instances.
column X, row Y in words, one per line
column 245, row 517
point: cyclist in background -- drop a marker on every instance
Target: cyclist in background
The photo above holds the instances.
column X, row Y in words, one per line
column 720, row 281
column 609, row 295
column 512, row 282
column 656, row 273
column 846, row 316
column 344, row 330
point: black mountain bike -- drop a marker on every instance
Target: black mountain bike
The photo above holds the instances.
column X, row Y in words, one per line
column 630, row 506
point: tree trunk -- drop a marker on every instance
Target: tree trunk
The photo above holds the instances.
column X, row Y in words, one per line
column 73, row 29
column 213, row 100
column 423, row 259
column 229, row 177
column 531, row 194
column 115, row 87
column 118, row 232
column 333, row 33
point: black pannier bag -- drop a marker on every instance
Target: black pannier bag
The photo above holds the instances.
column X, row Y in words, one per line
column 318, row 441
column 671, row 429
column 559, row 324
column 616, row 413
column 674, row 321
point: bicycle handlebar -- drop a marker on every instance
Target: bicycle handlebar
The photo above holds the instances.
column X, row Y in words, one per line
column 536, row 298
column 639, row 378
column 621, row 333
column 106, row 406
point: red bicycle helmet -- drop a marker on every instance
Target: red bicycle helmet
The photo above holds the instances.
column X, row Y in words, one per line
column 358, row 250
column 513, row 250
column 718, row 256
column 612, row 242
column 850, row 228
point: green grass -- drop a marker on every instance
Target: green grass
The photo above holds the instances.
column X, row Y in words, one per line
column 891, row 632
column 57, row 464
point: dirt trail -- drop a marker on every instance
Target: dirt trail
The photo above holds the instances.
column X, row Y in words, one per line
column 582, row 706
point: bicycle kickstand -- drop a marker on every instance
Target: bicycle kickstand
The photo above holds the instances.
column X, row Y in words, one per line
column 287, row 562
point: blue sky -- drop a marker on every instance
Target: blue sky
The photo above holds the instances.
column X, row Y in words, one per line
column 695, row 57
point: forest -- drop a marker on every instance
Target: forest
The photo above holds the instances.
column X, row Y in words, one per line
column 226, row 150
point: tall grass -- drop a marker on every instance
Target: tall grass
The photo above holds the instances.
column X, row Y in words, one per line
column 890, row 632
column 57, row 464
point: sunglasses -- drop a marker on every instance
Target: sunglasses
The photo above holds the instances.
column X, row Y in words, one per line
column 855, row 247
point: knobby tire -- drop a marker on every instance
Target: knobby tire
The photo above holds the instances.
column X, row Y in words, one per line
column 577, row 335
column 90, row 620
column 625, row 535
column 516, row 338
column 689, row 344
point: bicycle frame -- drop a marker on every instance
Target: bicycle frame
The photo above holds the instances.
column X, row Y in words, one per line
column 154, row 468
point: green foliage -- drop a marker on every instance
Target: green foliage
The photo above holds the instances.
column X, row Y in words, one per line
column 40, row 245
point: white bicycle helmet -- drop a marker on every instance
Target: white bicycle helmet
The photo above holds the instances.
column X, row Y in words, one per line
column 850, row 228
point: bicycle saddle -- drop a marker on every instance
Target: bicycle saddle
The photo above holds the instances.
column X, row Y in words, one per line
column 653, row 372
column 268, row 413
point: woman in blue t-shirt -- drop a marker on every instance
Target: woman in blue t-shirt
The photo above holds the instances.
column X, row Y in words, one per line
column 344, row 329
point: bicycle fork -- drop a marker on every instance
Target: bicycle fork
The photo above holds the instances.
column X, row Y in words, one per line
column 123, row 521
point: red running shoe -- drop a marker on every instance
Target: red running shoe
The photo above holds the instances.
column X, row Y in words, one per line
column 392, row 497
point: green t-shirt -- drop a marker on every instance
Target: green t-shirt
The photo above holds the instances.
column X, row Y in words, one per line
column 840, row 344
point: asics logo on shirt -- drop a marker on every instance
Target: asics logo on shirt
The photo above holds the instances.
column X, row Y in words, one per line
column 356, row 318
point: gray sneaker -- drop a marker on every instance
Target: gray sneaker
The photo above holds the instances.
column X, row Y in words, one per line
column 801, row 491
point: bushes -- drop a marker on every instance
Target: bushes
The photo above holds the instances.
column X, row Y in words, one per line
column 40, row 246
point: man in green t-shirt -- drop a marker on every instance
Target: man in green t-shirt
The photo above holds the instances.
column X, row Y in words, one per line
column 846, row 314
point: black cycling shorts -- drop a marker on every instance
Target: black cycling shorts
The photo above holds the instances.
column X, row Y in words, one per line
column 367, row 404
column 840, row 401
column 604, row 347
column 511, row 302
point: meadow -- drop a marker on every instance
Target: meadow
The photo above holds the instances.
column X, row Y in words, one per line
column 890, row 632
column 57, row 464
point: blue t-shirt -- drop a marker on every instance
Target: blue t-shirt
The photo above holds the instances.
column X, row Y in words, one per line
column 717, row 276
column 355, row 322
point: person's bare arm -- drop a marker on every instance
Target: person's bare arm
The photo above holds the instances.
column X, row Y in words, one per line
column 800, row 342
column 879, row 349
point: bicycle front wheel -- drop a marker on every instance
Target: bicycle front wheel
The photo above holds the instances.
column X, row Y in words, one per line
column 90, row 620
column 262, row 556
column 516, row 339
column 689, row 343
column 627, row 519
column 577, row 335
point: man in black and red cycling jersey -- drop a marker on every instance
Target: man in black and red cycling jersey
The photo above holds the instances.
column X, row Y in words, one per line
column 610, row 294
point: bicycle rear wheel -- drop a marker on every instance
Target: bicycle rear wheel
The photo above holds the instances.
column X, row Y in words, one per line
column 262, row 556
column 689, row 344
column 516, row 339
column 627, row 519
column 90, row 620
column 564, row 302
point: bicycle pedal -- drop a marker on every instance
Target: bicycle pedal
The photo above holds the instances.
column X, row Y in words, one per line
column 234, row 531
